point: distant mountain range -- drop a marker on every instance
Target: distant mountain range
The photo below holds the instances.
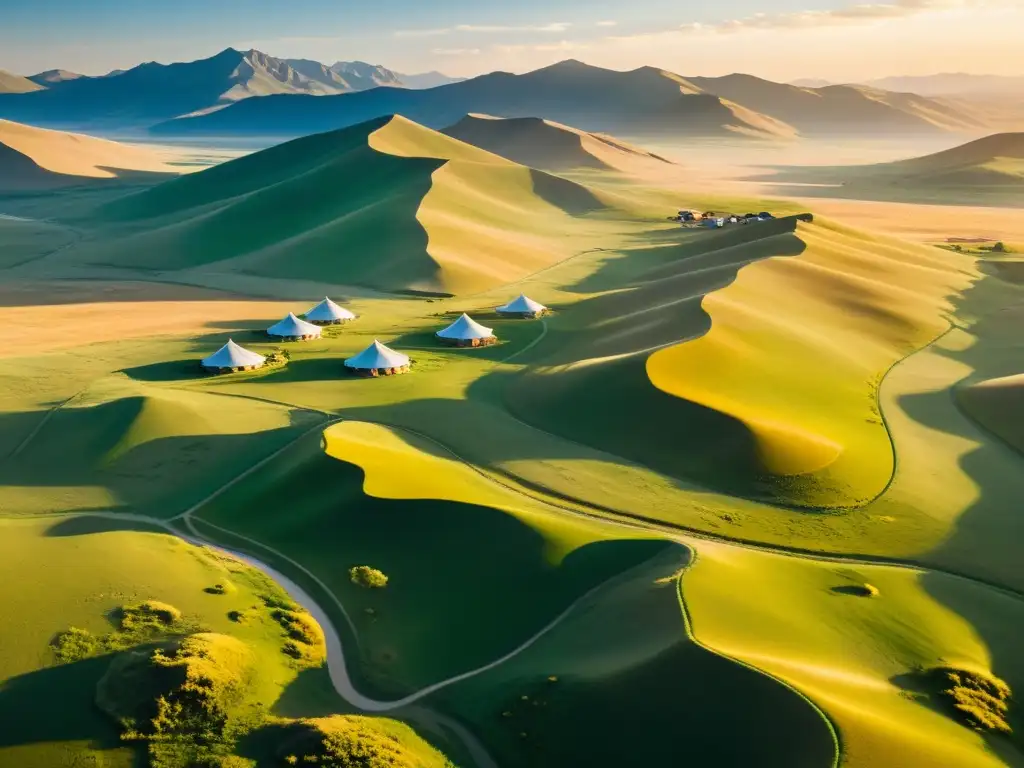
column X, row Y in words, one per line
column 643, row 103
column 958, row 84
column 214, row 96
column 151, row 93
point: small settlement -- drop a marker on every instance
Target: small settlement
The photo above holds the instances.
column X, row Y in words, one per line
column 715, row 220
column 377, row 359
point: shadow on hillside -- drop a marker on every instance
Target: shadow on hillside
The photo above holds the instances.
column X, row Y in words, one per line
column 159, row 471
column 573, row 198
column 984, row 540
column 83, row 524
column 513, row 576
column 56, row 704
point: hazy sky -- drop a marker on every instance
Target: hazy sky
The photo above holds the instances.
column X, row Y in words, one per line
column 784, row 39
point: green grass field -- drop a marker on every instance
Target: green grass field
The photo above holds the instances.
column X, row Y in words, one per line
column 615, row 512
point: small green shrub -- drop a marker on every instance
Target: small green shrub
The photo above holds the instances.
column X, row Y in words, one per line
column 365, row 576
column 218, row 589
column 75, row 644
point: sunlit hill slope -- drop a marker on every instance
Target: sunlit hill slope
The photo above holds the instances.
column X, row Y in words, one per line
column 34, row 158
column 748, row 361
column 549, row 145
column 389, row 205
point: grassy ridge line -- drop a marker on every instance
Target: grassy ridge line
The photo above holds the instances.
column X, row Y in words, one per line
column 607, row 514
column 692, row 635
column 885, row 420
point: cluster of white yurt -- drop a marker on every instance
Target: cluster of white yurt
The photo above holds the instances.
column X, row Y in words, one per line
column 377, row 359
column 523, row 306
column 232, row 357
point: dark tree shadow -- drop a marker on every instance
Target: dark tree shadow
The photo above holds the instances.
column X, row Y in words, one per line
column 57, row 704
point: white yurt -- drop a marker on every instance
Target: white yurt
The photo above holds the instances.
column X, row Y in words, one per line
column 329, row 313
column 467, row 332
column 293, row 329
column 232, row 357
column 523, row 306
column 378, row 360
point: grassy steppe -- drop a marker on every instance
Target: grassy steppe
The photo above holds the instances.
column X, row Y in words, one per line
column 84, row 569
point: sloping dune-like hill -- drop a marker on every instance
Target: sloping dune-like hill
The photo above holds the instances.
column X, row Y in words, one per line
column 996, row 159
column 998, row 405
column 389, row 205
column 35, row 158
column 11, row 83
column 549, row 145
column 751, row 363
column 987, row 171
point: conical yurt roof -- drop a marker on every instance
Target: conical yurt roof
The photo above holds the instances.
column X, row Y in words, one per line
column 328, row 311
column 292, row 326
column 377, row 356
column 233, row 356
column 522, row 304
column 466, row 328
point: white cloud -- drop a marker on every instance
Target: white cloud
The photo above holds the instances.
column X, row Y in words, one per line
column 456, row 51
column 421, row 32
column 563, row 46
column 851, row 14
column 606, row 24
column 558, row 26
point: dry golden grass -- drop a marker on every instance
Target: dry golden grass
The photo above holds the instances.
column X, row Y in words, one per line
column 75, row 154
column 41, row 317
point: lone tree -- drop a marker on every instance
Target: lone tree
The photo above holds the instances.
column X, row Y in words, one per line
column 368, row 577
column 999, row 247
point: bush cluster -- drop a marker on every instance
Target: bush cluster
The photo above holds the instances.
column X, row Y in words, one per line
column 978, row 700
column 365, row 576
column 349, row 741
column 305, row 641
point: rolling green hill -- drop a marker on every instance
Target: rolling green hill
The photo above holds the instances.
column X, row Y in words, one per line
column 717, row 388
column 388, row 205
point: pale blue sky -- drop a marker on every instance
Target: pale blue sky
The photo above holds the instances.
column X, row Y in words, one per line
column 781, row 39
